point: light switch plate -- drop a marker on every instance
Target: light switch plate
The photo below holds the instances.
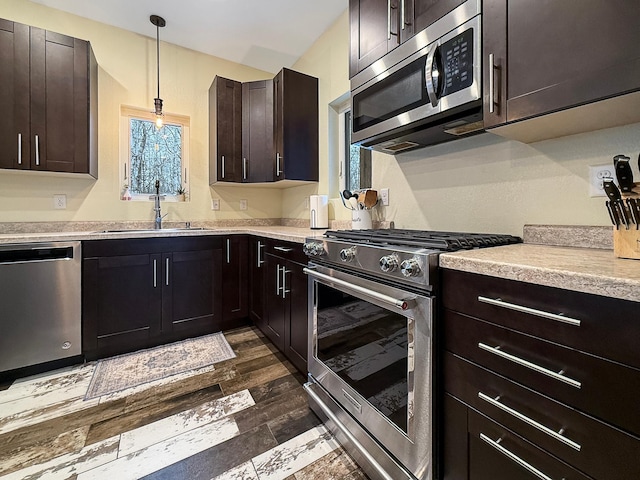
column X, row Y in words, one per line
column 243, row 204
column 215, row 204
column 384, row 196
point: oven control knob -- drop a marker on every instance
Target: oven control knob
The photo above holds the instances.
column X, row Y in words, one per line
column 317, row 249
column 348, row 254
column 388, row 263
column 410, row 268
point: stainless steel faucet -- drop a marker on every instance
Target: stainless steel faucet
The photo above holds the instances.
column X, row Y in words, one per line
column 157, row 197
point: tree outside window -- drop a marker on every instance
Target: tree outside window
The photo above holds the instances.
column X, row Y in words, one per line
column 152, row 154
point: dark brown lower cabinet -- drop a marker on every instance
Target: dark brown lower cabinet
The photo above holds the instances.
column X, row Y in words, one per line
column 285, row 301
column 139, row 293
column 235, row 274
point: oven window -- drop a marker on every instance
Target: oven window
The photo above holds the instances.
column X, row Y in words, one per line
column 400, row 92
column 367, row 347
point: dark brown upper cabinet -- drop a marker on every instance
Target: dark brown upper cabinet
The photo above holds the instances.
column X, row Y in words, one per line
column 50, row 100
column 225, row 131
column 379, row 26
column 549, row 56
column 264, row 131
column 257, row 131
column 295, row 97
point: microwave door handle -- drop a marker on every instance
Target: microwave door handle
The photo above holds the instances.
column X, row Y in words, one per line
column 431, row 88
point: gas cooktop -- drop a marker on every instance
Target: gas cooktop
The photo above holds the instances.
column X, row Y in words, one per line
column 443, row 241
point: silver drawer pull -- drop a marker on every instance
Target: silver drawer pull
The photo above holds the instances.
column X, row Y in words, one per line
column 514, row 457
column 283, row 249
column 532, row 311
column 532, row 366
column 529, row 421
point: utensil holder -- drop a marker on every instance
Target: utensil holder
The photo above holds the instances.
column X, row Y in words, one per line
column 626, row 243
column 361, row 219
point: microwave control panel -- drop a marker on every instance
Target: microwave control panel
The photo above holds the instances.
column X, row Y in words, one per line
column 457, row 59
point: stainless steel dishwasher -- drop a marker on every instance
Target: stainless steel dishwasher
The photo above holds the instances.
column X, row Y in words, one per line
column 40, row 303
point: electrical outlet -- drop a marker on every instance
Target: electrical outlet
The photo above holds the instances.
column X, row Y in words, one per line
column 306, row 203
column 215, row 204
column 243, row 204
column 384, row 197
column 60, row 202
column 597, row 173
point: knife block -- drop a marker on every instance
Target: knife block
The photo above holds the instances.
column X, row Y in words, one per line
column 626, row 243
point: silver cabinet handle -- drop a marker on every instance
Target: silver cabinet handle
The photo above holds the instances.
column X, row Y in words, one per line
column 284, row 282
column 525, row 363
column 228, row 250
column 37, row 151
column 244, row 168
column 19, row 149
column 529, row 421
column 278, row 158
column 402, row 304
column 532, row 311
column 155, row 273
column 222, row 166
column 167, row 279
column 402, row 14
column 388, row 19
column 283, row 249
column 278, row 280
column 512, row 456
column 259, row 254
column 492, row 85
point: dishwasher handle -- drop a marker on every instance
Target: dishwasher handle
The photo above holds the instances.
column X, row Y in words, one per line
column 35, row 254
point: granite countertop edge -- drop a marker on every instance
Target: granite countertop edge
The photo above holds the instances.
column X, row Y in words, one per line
column 587, row 270
column 291, row 234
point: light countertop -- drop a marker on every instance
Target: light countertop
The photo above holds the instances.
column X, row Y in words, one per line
column 588, row 270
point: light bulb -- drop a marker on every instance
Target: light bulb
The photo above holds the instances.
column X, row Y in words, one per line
column 159, row 122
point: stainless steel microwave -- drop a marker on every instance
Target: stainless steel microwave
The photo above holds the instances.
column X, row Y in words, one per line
column 426, row 91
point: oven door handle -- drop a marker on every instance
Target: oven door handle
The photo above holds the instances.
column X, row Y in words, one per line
column 402, row 304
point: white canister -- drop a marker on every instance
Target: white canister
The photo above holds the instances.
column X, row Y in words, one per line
column 319, row 211
column 361, row 219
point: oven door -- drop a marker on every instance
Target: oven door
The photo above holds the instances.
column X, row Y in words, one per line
column 371, row 348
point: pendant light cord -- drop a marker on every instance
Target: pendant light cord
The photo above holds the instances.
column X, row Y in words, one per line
column 158, row 55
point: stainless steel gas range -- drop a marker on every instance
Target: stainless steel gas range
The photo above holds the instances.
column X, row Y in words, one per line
column 371, row 344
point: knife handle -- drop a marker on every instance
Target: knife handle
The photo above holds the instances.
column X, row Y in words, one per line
column 613, row 214
column 623, row 173
column 624, row 216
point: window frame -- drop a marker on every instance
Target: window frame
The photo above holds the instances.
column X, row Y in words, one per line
column 126, row 114
column 342, row 110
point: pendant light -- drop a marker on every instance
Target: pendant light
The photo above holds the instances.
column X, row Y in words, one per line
column 158, row 22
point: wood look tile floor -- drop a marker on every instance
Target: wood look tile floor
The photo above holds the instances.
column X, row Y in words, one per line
column 244, row 419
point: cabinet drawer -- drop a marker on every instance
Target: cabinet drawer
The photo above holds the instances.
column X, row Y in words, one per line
column 588, row 444
column 496, row 453
column 602, row 388
column 609, row 328
column 283, row 249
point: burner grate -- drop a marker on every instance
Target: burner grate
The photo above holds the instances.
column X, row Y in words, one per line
column 444, row 241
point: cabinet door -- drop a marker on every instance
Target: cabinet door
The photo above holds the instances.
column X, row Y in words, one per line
column 494, row 62
column 121, row 305
column 225, row 130
column 565, row 54
column 274, row 324
column 424, row 12
column 257, row 281
column 235, row 278
column 191, row 283
column 257, row 131
column 296, row 333
column 59, row 102
column 14, row 95
column 373, row 28
column 295, row 126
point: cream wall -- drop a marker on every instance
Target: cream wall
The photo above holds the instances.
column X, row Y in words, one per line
column 482, row 183
column 127, row 75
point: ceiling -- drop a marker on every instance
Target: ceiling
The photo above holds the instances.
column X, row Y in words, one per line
column 267, row 35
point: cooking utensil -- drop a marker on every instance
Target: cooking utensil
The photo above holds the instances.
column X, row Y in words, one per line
column 370, row 198
column 346, row 195
column 624, row 174
column 634, row 209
